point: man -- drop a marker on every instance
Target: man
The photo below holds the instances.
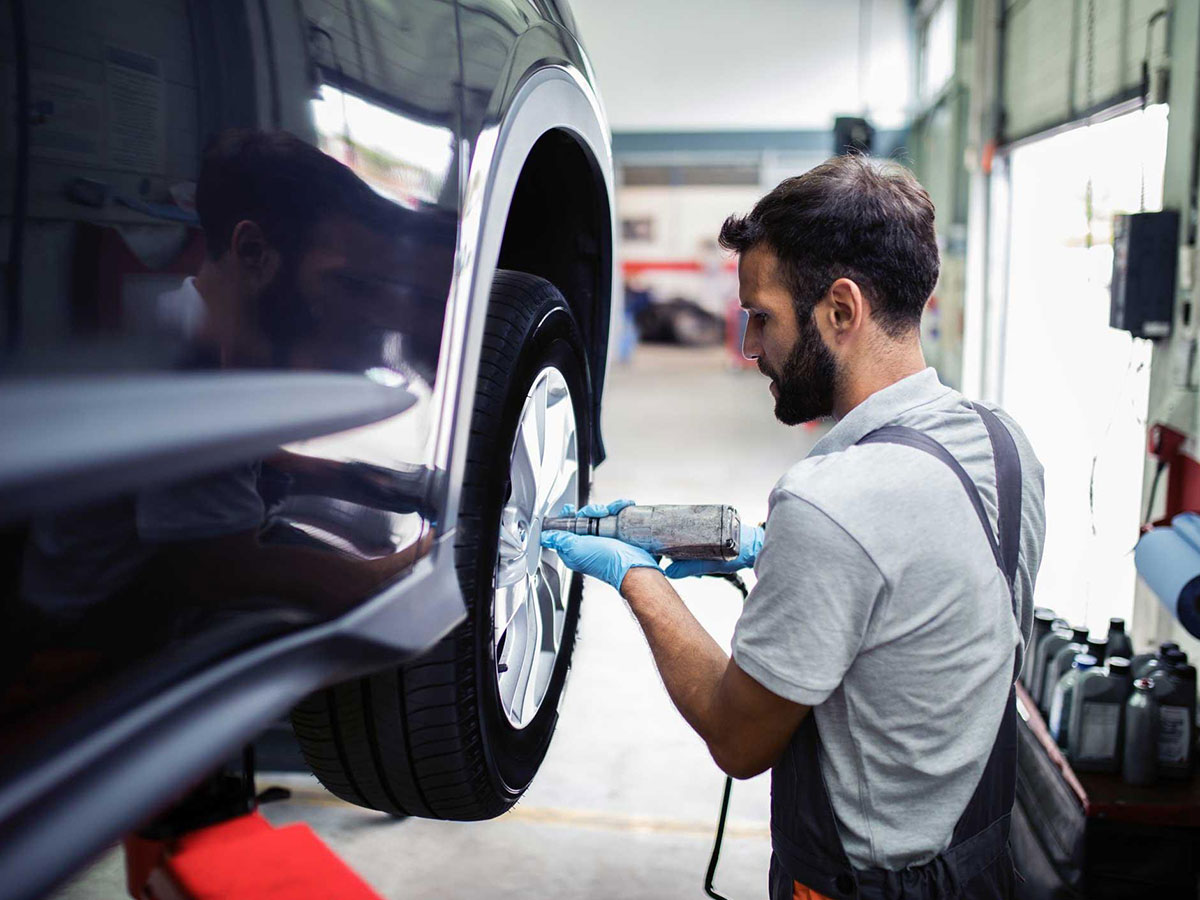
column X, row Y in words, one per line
column 873, row 664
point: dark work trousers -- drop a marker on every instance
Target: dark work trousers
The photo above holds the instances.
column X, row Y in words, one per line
column 808, row 858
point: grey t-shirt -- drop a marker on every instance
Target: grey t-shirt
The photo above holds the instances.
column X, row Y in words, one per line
column 880, row 605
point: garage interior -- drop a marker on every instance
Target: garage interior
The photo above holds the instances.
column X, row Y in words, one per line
column 1047, row 133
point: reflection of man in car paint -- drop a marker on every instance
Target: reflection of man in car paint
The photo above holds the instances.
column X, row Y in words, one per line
column 295, row 241
column 309, row 267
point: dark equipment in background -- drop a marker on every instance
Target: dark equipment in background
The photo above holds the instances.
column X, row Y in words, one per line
column 678, row 321
column 852, row 135
column 1145, row 254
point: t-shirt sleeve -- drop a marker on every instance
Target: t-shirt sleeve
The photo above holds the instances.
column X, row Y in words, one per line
column 806, row 619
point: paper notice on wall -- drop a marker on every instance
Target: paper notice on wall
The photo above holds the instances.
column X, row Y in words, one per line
column 66, row 118
column 136, row 111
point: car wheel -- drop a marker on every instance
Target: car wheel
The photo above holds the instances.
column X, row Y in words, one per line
column 460, row 732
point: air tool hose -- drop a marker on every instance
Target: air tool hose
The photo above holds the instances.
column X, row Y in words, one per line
column 736, row 581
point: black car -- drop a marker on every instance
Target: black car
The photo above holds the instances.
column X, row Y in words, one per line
column 305, row 323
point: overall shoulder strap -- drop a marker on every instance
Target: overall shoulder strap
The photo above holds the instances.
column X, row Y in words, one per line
column 1008, row 488
column 977, row 857
column 1006, row 546
column 910, row 437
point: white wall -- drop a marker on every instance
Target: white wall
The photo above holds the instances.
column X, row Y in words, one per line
column 685, row 220
column 752, row 65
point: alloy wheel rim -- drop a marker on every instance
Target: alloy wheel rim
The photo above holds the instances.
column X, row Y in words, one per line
column 531, row 586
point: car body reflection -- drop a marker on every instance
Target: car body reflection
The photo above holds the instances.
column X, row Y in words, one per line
column 306, row 267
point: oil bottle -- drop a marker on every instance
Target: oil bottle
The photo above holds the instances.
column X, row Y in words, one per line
column 1060, row 663
column 1145, row 663
column 1119, row 643
column 1139, row 752
column 1098, row 647
column 1043, row 624
column 1063, row 698
column 1175, row 691
column 1097, row 710
column 1059, row 637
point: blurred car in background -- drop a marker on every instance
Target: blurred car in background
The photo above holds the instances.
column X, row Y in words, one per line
column 679, row 321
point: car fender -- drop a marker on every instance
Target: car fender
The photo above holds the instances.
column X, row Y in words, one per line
column 548, row 98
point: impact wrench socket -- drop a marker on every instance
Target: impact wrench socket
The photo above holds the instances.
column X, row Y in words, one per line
column 678, row 531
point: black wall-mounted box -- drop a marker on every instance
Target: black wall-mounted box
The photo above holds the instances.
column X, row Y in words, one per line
column 852, row 135
column 1145, row 254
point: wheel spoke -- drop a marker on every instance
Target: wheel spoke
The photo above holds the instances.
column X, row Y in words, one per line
column 527, row 624
column 558, row 460
column 514, row 659
column 563, row 489
column 510, row 573
column 527, row 691
column 509, row 601
column 526, row 466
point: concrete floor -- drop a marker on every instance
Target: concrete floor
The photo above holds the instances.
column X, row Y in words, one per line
column 626, row 802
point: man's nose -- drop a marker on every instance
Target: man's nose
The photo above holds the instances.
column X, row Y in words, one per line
column 751, row 346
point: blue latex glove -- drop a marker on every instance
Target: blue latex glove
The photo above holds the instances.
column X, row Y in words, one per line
column 605, row 558
column 751, row 543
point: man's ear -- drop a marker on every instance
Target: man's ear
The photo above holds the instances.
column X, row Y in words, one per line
column 846, row 307
column 256, row 259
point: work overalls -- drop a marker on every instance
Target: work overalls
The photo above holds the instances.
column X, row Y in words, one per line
column 808, row 857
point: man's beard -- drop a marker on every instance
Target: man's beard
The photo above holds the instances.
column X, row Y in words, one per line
column 808, row 380
column 284, row 315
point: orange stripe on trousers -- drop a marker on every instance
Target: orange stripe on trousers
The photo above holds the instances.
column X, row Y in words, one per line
column 800, row 892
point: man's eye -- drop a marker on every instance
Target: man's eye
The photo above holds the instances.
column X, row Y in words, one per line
column 761, row 316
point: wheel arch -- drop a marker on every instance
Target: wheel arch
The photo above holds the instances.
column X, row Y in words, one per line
column 552, row 128
column 559, row 227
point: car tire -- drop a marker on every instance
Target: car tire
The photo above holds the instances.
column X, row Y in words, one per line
column 436, row 737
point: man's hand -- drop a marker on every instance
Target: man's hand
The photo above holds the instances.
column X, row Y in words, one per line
column 605, row 558
column 751, row 543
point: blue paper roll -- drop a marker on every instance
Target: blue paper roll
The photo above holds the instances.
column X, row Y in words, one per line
column 1169, row 560
column 1187, row 526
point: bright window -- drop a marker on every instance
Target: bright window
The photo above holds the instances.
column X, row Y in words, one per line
column 938, row 46
column 402, row 158
column 1078, row 387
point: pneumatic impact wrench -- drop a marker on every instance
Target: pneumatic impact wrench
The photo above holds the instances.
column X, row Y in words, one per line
column 678, row 531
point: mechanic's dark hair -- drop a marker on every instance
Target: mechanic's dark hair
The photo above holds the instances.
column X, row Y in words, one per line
column 278, row 181
column 849, row 218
